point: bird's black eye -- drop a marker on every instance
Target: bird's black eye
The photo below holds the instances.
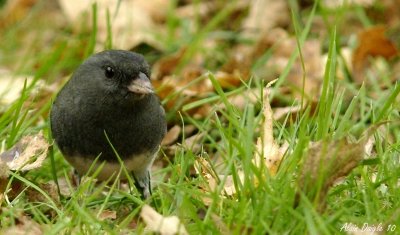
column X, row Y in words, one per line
column 109, row 72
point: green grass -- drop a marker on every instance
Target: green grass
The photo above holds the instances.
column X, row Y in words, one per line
column 275, row 205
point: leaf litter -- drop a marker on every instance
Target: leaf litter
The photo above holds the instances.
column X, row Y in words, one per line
column 327, row 161
column 181, row 82
column 165, row 225
column 268, row 155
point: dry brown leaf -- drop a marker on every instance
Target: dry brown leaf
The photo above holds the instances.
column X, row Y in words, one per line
column 241, row 100
column 24, row 226
column 131, row 21
column 340, row 3
column 189, row 129
column 107, row 215
column 268, row 152
column 265, row 15
column 158, row 223
column 391, row 13
column 229, row 80
column 49, row 188
column 221, row 226
column 4, row 173
column 294, row 111
column 172, row 135
column 65, row 188
column 191, row 86
column 313, row 65
column 239, row 65
column 194, row 142
column 372, row 43
column 166, row 65
column 229, row 186
column 326, row 162
column 344, row 64
column 15, row 10
column 203, row 167
column 282, row 46
column 202, row 9
column 29, row 153
column 155, row 8
column 369, row 146
column 11, row 86
column 284, row 111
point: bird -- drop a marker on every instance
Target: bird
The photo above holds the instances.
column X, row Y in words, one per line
column 108, row 110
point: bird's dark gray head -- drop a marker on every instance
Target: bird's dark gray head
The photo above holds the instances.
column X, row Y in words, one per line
column 122, row 76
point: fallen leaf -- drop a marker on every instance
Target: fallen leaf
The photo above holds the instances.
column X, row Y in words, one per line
column 221, row 226
column 200, row 9
column 282, row 50
column 229, row 80
column 166, row 65
column 258, row 27
column 23, row 226
column 229, row 186
column 189, row 129
column 293, row 112
column 65, row 188
column 341, row 3
column 372, row 42
column 49, row 188
column 107, row 215
column 268, row 152
column 11, row 86
column 194, row 142
column 265, row 15
column 326, row 162
column 391, row 13
column 284, row 111
column 15, row 10
column 281, row 46
column 240, row 101
column 158, row 223
column 178, row 91
column 4, row 173
column 204, row 168
column 172, row 135
column 29, row 153
column 155, row 8
column 369, row 146
column 131, row 22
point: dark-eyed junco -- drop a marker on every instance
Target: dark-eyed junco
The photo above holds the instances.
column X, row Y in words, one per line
column 110, row 103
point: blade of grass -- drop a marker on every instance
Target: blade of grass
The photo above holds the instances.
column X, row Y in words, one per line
column 325, row 100
column 384, row 111
column 92, row 41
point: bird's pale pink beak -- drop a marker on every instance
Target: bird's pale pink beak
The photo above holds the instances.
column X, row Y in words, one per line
column 141, row 85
